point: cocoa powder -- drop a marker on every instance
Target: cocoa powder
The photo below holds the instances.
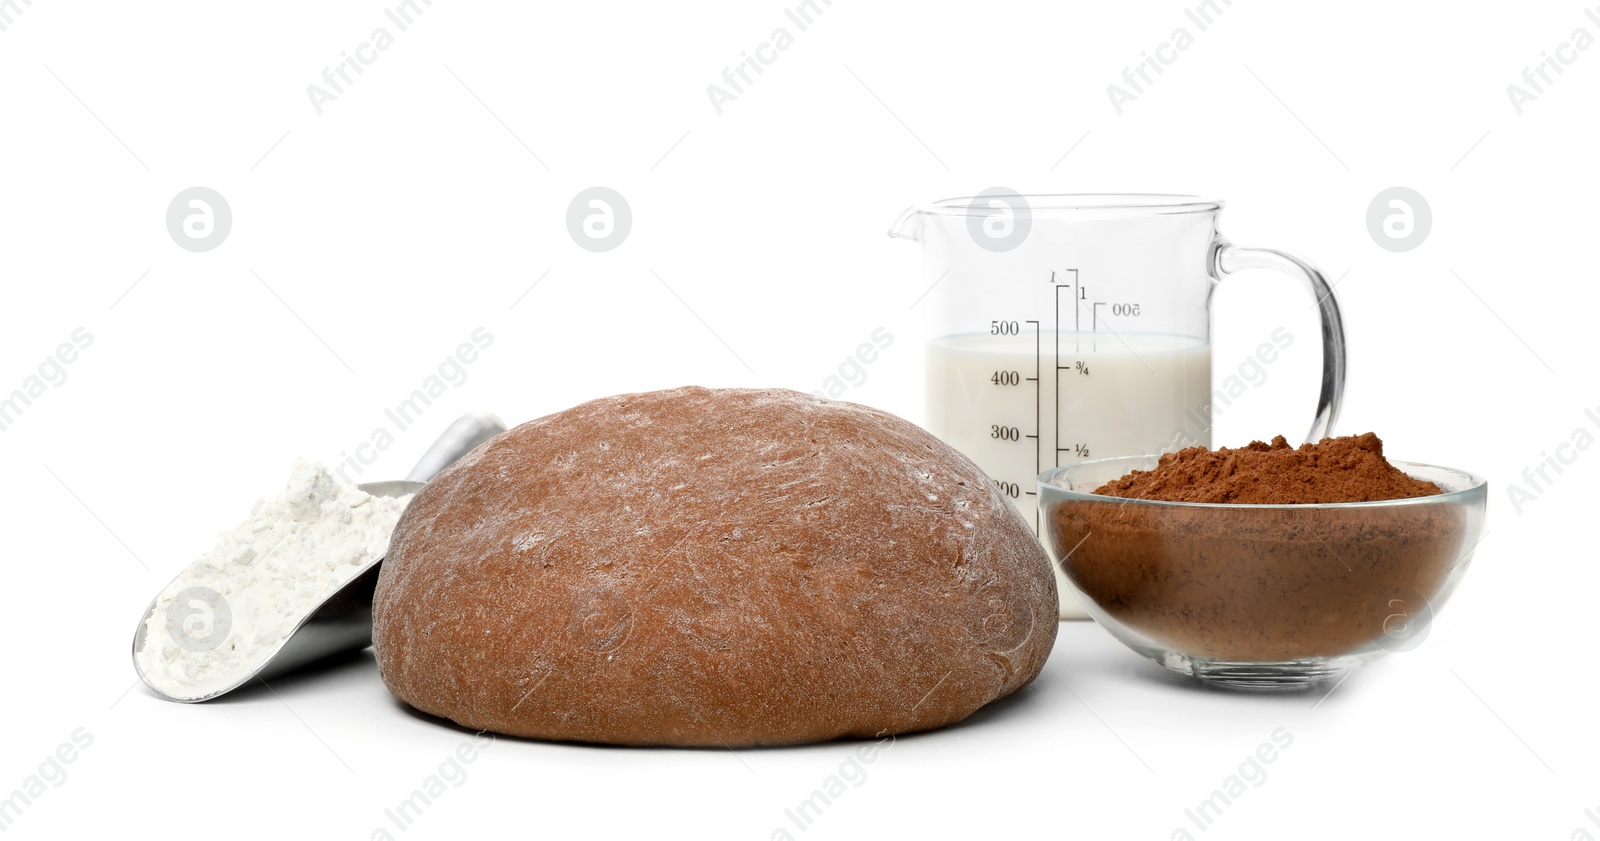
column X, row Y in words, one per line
column 1262, row 583
column 1348, row 469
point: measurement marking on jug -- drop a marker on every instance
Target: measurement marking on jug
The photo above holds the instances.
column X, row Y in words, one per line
column 1038, row 416
column 1124, row 309
column 1055, row 411
column 1078, row 352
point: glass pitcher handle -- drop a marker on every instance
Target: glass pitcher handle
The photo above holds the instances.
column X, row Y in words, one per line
column 1232, row 258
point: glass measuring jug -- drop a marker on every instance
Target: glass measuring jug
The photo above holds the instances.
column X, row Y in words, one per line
column 1064, row 328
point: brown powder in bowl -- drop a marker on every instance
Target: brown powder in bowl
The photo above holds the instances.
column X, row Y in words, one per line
column 1259, row 583
column 1348, row 469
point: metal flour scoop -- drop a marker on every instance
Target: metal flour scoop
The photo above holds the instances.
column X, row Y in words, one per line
column 343, row 621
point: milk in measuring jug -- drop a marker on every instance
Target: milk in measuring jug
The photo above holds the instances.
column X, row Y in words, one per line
column 1020, row 404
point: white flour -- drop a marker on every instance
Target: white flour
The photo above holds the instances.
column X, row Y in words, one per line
column 241, row 599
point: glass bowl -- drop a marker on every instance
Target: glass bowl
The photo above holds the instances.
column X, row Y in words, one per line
column 1260, row 596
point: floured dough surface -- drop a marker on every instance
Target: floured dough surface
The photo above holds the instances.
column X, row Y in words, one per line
column 712, row 567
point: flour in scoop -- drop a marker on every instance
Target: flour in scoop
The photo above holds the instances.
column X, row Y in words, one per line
column 232, row 609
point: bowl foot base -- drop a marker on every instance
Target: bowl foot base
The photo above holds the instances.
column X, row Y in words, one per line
column 1275, row 676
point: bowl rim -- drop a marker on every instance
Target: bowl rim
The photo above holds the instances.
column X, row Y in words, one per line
column 1476, row 486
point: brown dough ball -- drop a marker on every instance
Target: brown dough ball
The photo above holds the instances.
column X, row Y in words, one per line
column 713, row 568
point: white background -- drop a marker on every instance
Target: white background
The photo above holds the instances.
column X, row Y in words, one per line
column 428, row 198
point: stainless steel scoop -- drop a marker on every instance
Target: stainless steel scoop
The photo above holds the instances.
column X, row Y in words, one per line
column 343, row 621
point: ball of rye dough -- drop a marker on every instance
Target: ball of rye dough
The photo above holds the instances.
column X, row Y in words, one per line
column 704, row 567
